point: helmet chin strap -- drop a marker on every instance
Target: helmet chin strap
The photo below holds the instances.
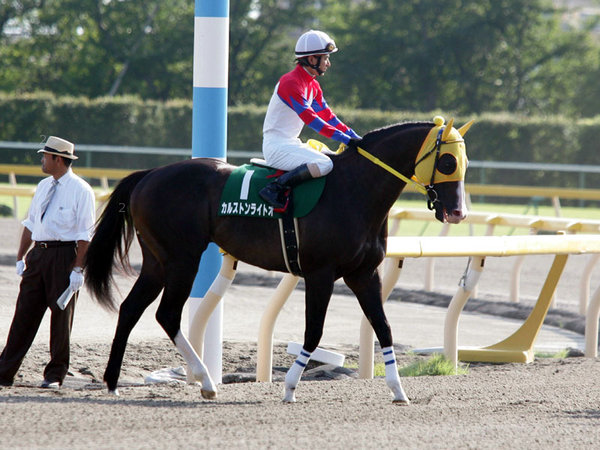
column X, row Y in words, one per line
column 316, row 66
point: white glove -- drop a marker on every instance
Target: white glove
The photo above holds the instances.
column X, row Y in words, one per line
column 76, row 279
column 20, row 267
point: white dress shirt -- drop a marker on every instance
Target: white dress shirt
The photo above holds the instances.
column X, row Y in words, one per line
column 71, row 214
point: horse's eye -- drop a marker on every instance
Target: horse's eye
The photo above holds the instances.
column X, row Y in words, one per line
column 447, row 164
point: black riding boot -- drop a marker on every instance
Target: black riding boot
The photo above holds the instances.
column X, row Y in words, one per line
column 274, row 192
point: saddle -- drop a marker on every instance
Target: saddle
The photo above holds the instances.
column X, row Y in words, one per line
column 240, row 198
column 240, row 195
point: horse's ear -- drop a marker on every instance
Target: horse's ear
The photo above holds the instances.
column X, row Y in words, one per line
column 447, row 130
column 463, row 130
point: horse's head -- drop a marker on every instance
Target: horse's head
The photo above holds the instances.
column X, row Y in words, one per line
column 440, row 167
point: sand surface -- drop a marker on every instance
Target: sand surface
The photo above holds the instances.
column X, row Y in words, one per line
column 550, row 403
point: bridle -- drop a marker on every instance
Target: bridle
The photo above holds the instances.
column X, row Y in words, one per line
column 432, row 196
column 427, row 190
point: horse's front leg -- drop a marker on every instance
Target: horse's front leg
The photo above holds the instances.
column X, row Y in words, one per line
column 366, row 285
column 319, row 287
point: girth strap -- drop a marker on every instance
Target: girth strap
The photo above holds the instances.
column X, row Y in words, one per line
column 288, row 230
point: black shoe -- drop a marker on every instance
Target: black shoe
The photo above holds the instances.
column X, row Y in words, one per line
column 277, row 192
column 6, row 382
column 274, row 195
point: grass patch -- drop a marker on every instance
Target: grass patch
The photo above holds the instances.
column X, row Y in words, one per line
column 379, row 370
column 564, row 353
column 436, row 365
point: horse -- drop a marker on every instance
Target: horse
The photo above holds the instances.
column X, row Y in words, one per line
column 174, row 211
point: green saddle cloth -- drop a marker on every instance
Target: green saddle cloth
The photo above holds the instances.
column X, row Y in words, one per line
column 240, row 196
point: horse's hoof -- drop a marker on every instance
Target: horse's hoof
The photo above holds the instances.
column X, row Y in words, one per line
column 289, row 396
column 114, row 392
column 208, row 395
column 402, row 402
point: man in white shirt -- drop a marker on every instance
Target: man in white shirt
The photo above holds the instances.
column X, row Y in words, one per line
column 59, row 225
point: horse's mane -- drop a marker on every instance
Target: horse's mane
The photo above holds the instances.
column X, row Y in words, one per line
column 380, row 134
column 389, row 130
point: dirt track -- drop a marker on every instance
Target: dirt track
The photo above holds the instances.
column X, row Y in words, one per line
column 549, row 403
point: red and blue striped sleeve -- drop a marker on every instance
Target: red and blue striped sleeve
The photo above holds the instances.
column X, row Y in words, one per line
column 322, row 121
column 323, row 110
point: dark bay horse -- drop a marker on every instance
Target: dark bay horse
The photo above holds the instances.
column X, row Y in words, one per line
column 174, row 211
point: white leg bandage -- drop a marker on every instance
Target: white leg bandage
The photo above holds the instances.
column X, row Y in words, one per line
column 293, row 375
column 391, row 375
column 194, row 363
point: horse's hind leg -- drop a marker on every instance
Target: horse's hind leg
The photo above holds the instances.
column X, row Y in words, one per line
column 144, row 291
column 319, row 288
column 366, row 285
column 178, row 284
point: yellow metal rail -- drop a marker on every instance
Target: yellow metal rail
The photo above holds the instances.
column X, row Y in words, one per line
column 516, row 348
column 473, row 189
column 532, row 225
column 436, row 246
column 519, row 346
column 88, row 172
column 17, row 191
column 500, row 190
column 541, row 223
column 12, row 170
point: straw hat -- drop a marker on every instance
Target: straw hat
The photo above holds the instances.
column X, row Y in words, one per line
column 57, row 146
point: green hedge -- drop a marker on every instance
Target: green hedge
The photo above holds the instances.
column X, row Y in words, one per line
column 131, row 121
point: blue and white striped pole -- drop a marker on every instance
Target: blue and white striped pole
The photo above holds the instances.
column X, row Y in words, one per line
column 209, row 139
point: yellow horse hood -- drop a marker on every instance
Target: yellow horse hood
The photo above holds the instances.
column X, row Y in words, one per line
column 443, row 155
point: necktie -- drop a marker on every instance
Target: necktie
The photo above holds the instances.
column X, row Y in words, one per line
column 48, row 198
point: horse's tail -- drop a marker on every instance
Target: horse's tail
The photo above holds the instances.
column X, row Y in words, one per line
column 112, row 239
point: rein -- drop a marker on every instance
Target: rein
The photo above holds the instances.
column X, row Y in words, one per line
column 422, row 189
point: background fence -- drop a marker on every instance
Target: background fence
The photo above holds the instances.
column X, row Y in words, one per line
column 480, row 172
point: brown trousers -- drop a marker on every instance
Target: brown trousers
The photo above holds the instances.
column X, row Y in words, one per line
column 45, row 278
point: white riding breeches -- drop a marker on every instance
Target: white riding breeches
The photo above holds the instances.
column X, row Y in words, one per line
column 287, row 154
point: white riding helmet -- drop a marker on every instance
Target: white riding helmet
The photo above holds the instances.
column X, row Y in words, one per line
column 314, row 42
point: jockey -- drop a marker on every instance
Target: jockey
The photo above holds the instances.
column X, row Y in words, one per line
column 296, row 101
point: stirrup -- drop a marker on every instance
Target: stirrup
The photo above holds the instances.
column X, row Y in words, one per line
column 284, row 207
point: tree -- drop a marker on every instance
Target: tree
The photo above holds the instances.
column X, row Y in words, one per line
column 263, row 34
column 101, row 47
column 463, row 55
column 467, row 56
